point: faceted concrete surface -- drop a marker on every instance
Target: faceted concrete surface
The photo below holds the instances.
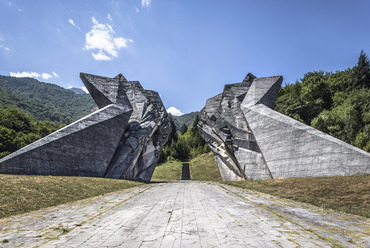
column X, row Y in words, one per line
column 252, row 141
column 185, row 214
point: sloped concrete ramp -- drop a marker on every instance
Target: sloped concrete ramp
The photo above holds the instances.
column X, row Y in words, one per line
column 185, row 214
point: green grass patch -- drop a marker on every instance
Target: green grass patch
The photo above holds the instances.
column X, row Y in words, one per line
column 350, row 194
column 20, row 194
column 169, row 171
column 204, row 168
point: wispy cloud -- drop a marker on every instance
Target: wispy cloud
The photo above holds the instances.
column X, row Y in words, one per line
column 2, row 46
column 109, row 17
column 101, row 41
column 11, row 4
column 72, row 22
column 25, row 74
column 174, row 111
column 33, row 74
column 145, row 3
column 46, row 76
column 137, row 10
column 82, row 88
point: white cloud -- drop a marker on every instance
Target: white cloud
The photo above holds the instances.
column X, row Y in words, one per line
column 174, row 111
column 109, row 17
column 46, row 76
column 100, row 56
column 137, row 10
column 24, row 74
column 10, row 4
column 82, row 88
column 72, row 22
column 2, row 46
column 101, row 38
column 33, row 74
column 145, row 3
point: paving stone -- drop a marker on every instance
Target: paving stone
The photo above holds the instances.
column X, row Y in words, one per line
column 185, row 214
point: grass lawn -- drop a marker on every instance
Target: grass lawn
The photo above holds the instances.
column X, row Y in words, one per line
column 20, row 194
column 202, row 168
column 350, row 194
column 169, row 171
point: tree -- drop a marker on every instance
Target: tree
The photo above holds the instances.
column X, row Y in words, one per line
column 17, row 130
column 361, row 72
column 173, row 135
column 183, row 129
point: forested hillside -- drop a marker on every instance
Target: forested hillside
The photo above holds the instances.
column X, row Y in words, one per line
column 18, row 129
column 30, row 110
column 184, row 145
column 44, row 101
column 335, row 103
column 186, row 119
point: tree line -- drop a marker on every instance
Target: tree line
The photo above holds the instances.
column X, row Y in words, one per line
column 17, row 129
column 185, row 144
column 335, row 103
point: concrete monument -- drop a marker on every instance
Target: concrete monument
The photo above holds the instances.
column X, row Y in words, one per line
column 252, row 141
column 122, row 139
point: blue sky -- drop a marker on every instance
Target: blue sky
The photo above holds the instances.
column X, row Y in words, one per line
column 187, row 50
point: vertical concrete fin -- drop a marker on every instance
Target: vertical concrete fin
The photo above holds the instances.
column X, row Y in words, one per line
column 105, row 90
column 263, row 90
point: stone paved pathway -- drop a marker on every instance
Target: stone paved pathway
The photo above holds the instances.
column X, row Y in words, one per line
column 185, row 214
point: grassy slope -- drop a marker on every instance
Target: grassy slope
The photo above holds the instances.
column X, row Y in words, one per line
column 350, row 194
column 202, row 168
column 20, row 194
column 168, row 171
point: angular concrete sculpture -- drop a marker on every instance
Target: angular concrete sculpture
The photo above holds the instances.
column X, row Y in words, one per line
column 252, row 141
column 122, row 139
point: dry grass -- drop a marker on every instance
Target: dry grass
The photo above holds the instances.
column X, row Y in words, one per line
column 20, row 194
column 168, row 171
column 204, row 168
column 349, row 194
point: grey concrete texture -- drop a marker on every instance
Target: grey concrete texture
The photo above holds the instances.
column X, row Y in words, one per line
column 252, row 141
column 122, row 139
column 185, row 214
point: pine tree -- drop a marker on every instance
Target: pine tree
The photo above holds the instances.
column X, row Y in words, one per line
column 183, row 129
column 361, row 72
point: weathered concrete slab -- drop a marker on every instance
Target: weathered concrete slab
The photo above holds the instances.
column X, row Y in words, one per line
column 83, row 148
column 122, row 139
column 185, row 214
column 252, row 141
column 291, row 148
